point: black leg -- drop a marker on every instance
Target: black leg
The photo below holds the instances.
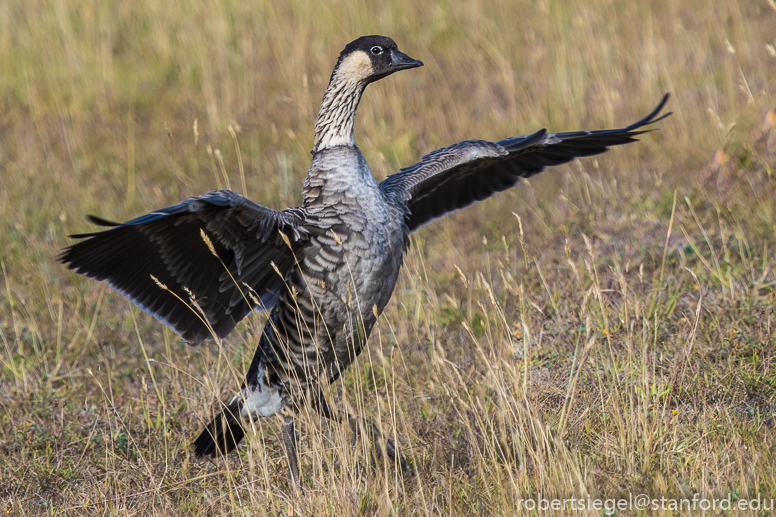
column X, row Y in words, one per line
column 357, row 424
column 289, row 442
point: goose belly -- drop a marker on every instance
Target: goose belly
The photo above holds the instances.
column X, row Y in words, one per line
column 345, row 279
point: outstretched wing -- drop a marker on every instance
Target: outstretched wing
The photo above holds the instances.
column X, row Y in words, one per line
column 168, row 245
column 457, row 176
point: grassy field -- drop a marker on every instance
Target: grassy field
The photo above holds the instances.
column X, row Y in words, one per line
column 605, row 329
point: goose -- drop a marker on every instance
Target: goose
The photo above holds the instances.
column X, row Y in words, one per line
column 325, row 270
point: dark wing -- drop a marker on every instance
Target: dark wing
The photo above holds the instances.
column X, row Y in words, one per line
column 457, row 176
column 168, row 244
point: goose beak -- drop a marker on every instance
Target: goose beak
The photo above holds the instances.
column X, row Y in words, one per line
column 401, row 61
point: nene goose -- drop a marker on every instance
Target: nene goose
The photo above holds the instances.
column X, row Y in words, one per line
column 327, row 269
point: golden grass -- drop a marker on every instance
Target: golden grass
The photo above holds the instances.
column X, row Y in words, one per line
column 620, row 342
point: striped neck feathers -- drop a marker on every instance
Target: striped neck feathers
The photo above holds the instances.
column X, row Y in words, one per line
column 337, row 116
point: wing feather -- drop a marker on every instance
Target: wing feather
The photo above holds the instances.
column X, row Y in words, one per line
column 457, row 176
column 168, row 244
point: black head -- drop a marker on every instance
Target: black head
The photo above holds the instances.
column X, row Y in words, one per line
column 370, row 58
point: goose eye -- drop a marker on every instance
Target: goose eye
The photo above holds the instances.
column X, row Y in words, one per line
column 376, row 50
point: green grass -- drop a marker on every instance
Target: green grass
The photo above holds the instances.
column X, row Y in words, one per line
column 617, row 339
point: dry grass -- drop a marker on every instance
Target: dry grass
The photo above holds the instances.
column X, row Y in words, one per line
column 621, row 342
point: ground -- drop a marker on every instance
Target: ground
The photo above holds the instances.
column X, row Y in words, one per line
column 602, row 331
